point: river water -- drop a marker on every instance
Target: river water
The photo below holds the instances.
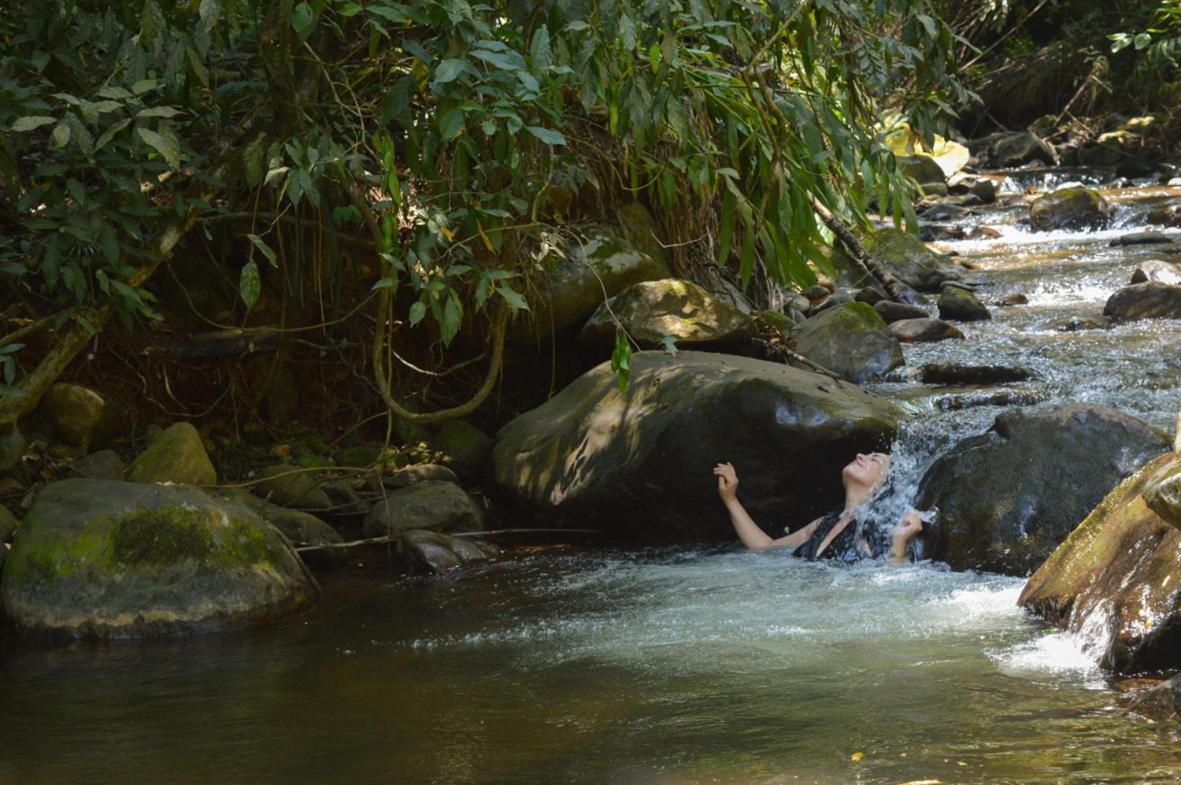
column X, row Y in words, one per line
column 669, row 666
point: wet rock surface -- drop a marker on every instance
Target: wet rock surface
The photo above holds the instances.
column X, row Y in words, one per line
column 958, row 373
column 851, row 340
column 433, row 553
column 891, row 311
column 1118, row 572
column 1009, row 496
column 1069, row 208
column 959, row 304
column 1157, row 270
column 924, row 330
column 908, row 258
column 639, row 463
column 1149, row 300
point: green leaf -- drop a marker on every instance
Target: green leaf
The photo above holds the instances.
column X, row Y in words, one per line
column 302, row 19
column 1142, row 40
column 144, row 86
column 157, row 111
column 449, row 70
column 451, row 123
column 167, row 148
column 249, row 284
column 452, row 319
column 514, row 298
column 60, row 136
column 31, row 122
column 547, row 135
column 417, row 312
column 264, row 249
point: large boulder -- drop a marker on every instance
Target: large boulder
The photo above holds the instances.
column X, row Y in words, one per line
column 923, row 169
column 464, row 446
column 1148, row 300
column 103, row 559
column 1069, row 208
column 101, row 465
column 638, row 463
column 432, row 505
column 1118, row 578
column 1010, row 149
column 651, row 310
column 908, row 258
column 1009, row 496
column 573, row 283
column 79, row 415
column 178, row 456
column 851, row 340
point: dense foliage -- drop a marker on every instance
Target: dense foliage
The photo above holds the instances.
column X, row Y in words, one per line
column 455, row 136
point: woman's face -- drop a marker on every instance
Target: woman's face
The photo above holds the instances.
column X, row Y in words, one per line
column 867, row 469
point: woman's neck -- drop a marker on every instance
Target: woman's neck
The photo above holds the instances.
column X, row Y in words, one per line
column 855, row 496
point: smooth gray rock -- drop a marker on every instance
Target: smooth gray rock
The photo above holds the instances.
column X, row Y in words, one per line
column 436, row 506
column 923, row 330
column 891, row 311
column 101, row 465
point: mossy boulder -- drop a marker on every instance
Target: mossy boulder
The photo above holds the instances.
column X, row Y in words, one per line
column 960, row 305
column 1009, row 496
column 907, row 257
column 1069, row 208
column 605, row 261
column 101, row 559
column 436, row 506
column 851, row 340
column 1119, row 575
column 1148, row 300
column 80, row 415
column 301, row 528
column 292, row 486
column 177, row 456
column 637, row 463
column 465, row 447
column 1162, row 493
column 651, row 310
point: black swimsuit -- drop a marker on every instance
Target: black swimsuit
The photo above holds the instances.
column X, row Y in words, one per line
column 843, row 547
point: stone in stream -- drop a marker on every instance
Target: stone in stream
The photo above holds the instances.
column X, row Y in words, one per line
column 437, row 506
column 80, row 415
column 958, row 304
column 652, row 310
column 1078, row 323
column 1169, row 215
column 1156, row 270
column 1069, row 208
column 907, row 257
column 1142, row 238
column 958, row 401
column 924, row 330
column 1149, row 300
column 1162, row 493
column 421, row 472
column 101, row 559
column 1010, row 149
column 301, row 528
column 891, row 311
column 289, row 485
column 834, row 300
column 637, row 463
column 958, row 373
column 851, row 340
column 1118, row 575
column 1010, row 300
column 177, row 455
column 1009, row 496
column 433, row 553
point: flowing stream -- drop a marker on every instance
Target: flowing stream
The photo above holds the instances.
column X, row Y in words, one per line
column 671, row 666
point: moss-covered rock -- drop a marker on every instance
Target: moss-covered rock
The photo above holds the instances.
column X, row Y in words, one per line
column 176, row 456
column 571, row 285
column 436, row 506
column 958, row 304
column 80, row 415
column 8, row 524
column 637, row 463
column 1119, row 573
column 290, row 486
column 651, row 310
column 851, row 340
column 1008, row 497
column 1162, row 493
column 104, row 559
column 301, row 528
column 1069, row 208
column 907, row 257
column 465, row 447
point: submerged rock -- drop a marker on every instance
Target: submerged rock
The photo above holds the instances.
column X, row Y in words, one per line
column 923, row 330
column 1069, row 208
column 433, row 553
column 437, row 506
column 1118, row 576
column 651, row 310
column 959, row 304
column 850, row 340
column 1142, row 238
column 1149, row 300
column 1009, row 496
column 638, row 463
column 958, row 373
column 80, row 415
column 99, row 559
column 1009, row 300
column 177, row 456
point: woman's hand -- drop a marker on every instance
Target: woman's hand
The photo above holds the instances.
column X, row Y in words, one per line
column 906, row 530
column 727, row 481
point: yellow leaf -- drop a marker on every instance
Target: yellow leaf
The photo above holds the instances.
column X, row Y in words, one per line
column 484, row 237
column 446, row 232
column 856, row 756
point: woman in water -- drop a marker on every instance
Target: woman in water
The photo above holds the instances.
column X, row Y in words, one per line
column 835, row 535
